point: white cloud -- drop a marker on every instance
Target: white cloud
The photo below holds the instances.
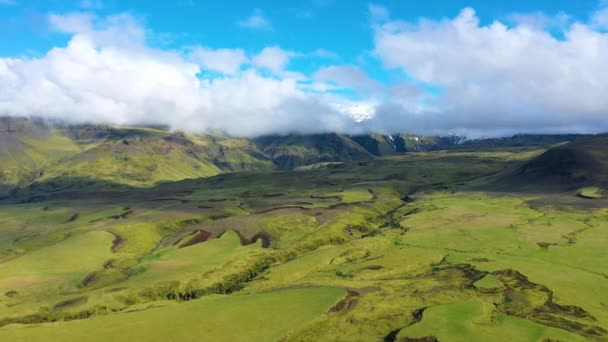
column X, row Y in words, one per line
column 349, row 77
column 496, row 78
column 72, row 23
column 273, row 58
column 461, row 77
column 541, row 21
column 323, row 53
column 600, row 18
column 256, row 20
column 226, row 61
column 120, row 29
column 98, row 78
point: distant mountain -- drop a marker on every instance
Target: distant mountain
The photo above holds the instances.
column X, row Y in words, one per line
column 291, row 151
column 35, row 150
column 32, row 150
column 522, row 140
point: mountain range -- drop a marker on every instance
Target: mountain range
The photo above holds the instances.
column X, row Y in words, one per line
column 32, row 149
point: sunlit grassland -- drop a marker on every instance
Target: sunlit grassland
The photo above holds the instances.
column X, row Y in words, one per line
column 56, row 267
column 259, row 317
column 420, row 252
column 591, row 192
column 474, row 321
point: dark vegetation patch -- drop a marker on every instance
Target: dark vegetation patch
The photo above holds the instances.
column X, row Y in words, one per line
column 89, row 279
column 481, row 260
column 70, row 303
column 416, row 318
column 374, row 267
column 73, row 217
column 273, row 195
column 19, row 239
column 285, row 207
column 229, row 284
column 11, row 293
column 528, row 300
column 128, row 212
column 117, row 242
column 470, row 274
column 420, row 339
column 180, row 200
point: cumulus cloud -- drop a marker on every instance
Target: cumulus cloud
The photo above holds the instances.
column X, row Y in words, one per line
column 498, row 79
column 453, row 75
column 256, row 20
column 349, row 76
column 226, row 61
column 108, row 74
column 600, row 18
column 273, row 58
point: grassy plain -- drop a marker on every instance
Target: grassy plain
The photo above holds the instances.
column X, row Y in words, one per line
column 395, row 248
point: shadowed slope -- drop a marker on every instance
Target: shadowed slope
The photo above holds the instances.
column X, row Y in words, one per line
column 566, row 167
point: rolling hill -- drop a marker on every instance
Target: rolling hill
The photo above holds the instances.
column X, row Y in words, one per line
column 567, row 167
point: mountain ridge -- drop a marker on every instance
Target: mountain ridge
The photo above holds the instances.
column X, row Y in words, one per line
column 33, row 149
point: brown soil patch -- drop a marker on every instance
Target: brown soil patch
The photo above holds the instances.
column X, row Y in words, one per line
column 108, row 264
column 265, row 237
column 352, row 297
column 124, row 215
column 89, row 279
column 196, row 238
column 117, row 242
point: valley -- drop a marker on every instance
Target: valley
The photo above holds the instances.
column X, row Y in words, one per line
column 301, row 238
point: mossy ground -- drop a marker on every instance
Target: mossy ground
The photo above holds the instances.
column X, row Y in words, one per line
column 391, row 248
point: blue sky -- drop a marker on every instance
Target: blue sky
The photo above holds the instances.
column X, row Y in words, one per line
column 387, row 59
column 340, row 26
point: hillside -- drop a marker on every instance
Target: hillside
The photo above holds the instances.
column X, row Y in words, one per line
column 389, row 249
column 570, row 166
column 291, row 151
column 36, row 151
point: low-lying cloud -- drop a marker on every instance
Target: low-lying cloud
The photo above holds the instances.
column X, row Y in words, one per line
column 499, row 78
column 458, row 77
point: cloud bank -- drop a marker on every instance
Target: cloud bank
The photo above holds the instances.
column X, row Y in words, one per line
column 455, row 76
column 499, row 79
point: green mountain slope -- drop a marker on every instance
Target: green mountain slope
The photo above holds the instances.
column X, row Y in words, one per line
column 291, row 151
column 32, row 150
column 570, row 166
column 27, row 147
